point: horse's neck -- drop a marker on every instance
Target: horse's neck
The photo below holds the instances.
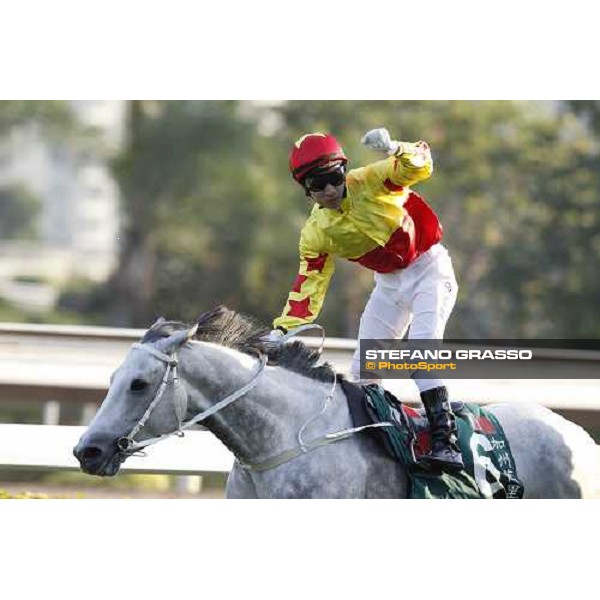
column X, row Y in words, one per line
column 267, row 419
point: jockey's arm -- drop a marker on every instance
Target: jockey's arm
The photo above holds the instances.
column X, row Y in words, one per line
column 308, row 292
column 410, row 164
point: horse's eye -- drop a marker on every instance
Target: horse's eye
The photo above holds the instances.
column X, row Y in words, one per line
column 137, row 385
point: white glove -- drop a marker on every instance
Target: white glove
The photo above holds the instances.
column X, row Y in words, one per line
column 380, row 141
column 274, row 338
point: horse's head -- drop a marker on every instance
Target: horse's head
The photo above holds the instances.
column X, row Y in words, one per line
column 143, row 400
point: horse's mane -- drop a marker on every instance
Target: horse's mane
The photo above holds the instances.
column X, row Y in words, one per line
column 238, row 331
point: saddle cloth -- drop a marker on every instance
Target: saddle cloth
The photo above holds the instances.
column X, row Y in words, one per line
column 490, row 471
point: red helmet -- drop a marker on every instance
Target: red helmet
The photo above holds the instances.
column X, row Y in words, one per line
column 314, row 150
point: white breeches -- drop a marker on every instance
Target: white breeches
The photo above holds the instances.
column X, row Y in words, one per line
column 422, row 296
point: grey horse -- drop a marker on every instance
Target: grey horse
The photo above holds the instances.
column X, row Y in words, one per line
column 288, row 423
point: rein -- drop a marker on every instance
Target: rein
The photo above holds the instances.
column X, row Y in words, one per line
column 292, row 453
column 128, row 446
column 304, row 447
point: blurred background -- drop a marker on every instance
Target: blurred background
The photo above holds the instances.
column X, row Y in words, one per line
column 115, row 212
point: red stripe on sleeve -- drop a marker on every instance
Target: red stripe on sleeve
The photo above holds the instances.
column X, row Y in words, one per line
column 299, row 309
column 316, row 264
column 298, row 283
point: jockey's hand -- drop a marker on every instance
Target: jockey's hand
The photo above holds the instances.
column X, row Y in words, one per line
column 274, row 338
column 380, row 141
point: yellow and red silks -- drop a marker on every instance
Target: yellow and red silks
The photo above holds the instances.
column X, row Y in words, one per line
column 382, row 224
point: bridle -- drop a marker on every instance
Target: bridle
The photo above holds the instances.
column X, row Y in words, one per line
column 127, row 446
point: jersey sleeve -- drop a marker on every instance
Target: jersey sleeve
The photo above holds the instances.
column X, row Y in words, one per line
column 310, row 287
column 414, row 164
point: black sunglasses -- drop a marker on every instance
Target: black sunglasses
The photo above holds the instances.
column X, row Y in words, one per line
column 318, row 182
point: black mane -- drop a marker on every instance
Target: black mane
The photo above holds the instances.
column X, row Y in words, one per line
column 241, row 332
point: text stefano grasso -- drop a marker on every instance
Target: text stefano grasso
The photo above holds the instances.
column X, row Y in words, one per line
column 496, row 354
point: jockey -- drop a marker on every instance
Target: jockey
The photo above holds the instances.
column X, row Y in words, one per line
column 371, row 216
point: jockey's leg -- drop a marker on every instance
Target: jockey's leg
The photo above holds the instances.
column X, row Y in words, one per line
column 434, row 296
column 445, row 452
column 385, row 317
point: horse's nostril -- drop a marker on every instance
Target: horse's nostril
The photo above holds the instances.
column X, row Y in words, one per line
column 91, row 453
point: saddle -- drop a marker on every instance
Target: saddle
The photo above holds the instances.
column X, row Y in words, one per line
column 490, row 471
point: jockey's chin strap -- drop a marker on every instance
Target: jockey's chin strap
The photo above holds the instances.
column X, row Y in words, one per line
column 127, row 445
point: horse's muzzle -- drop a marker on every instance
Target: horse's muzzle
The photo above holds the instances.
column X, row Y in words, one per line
column 98, row 455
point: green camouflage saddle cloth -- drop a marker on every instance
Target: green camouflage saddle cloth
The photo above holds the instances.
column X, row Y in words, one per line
column 490, row 470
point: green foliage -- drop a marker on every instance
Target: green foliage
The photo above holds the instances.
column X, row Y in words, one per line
column 12, row 313
column 19, row 211
column 212, row 215
column 55, row 115
column 516, row 186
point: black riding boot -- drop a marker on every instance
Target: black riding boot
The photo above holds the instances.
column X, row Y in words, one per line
column 445, row 453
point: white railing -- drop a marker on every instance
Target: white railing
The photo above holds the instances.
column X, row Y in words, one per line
column 55, row 364
column 47, row 447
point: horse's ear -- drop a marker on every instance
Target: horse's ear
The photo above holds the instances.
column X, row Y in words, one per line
column 191, row 332
column 157, row 322
column 169, row 344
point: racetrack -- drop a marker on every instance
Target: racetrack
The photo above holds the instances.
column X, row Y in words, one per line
column 98, row 493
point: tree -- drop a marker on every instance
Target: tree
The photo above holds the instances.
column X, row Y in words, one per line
column 515, row 186
column 54, row 117
column 19, row 211
column 183, row 176
column 211, row 214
